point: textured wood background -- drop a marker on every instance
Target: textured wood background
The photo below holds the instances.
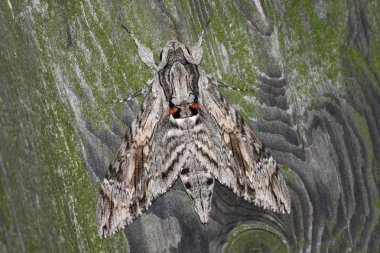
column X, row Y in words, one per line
column 315, row 66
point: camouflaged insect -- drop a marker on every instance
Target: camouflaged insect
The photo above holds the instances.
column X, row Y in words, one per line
column 185, row 128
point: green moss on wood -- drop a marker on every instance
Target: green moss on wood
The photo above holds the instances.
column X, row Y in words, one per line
column 251, row 239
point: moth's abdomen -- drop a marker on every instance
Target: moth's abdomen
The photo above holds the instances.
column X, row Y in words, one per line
column 199, row 184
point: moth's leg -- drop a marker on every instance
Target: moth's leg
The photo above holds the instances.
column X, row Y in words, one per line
column 140, row 92
column 145, row 53
column 137, row 93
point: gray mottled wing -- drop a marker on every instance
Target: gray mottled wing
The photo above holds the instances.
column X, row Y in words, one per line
column 245, row 165
column 138, row 174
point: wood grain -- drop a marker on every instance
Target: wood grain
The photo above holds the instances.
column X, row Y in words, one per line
column 314, row 66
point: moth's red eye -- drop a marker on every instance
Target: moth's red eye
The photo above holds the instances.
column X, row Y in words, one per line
column 173, row 110
column 194, row 106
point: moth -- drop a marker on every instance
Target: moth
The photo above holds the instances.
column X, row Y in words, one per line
column 185, row 128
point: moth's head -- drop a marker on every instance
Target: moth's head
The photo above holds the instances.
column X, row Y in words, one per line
column 176, row 51
column 184, row 112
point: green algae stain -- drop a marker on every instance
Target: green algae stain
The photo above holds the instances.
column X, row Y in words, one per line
column 378, row 205
column 339, row 244
column 227, row 54
column 285, row 168
column 56, row 212
column 250, row 239
column 314, row 41
column 363, row 128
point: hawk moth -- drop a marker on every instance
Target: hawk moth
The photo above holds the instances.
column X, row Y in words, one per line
column 185, row 128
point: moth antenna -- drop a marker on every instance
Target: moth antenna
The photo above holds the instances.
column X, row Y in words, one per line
column 200, row 40
column 145, row 53
column 197, row 50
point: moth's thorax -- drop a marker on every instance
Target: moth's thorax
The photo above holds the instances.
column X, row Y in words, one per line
column 177, row 72
column 179, row 81
column 183, row 103
column 179, row 78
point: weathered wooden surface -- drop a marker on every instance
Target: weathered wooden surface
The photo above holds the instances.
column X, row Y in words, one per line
column 315, row 65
